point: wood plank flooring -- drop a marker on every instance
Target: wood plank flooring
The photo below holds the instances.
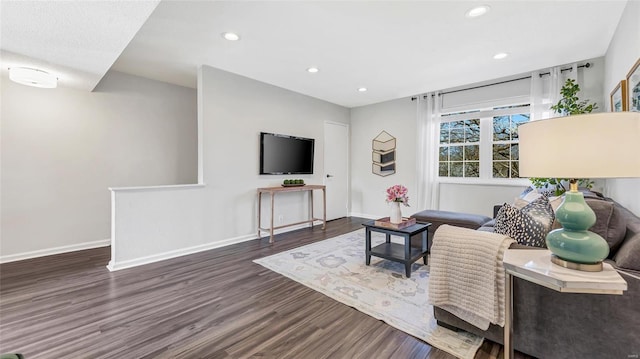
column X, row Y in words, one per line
column 213, row 304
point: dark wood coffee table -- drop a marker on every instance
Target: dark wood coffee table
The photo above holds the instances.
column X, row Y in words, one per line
column 394, row 251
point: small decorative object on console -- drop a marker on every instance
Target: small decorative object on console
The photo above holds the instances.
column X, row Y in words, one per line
column 293, row 183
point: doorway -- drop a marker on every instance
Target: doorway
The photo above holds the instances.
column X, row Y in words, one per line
column 336, row 168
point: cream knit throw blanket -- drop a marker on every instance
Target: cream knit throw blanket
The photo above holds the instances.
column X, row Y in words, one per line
column 466, row 276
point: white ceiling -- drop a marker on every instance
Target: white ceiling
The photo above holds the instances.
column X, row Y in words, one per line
column 394, row 48
column 78, row 41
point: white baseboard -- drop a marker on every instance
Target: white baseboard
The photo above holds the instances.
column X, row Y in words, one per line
column 364, row 215
column 114, row 266
column 55, row 250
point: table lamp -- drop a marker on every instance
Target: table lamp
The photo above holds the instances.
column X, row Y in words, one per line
column 600, row 145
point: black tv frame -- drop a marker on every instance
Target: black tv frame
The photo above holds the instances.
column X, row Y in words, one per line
column 310, row 160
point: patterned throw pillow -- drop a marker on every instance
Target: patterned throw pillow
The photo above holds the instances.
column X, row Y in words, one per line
column 528, row 226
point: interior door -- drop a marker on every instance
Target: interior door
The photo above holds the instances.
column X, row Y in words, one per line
column 336, row 168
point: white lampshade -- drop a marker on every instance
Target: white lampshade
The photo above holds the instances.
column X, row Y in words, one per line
column 600, row 145
column 32, row 77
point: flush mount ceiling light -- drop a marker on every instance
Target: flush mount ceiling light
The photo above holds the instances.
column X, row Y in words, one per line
column 33, row 77
column 477, row 11
column 231, row 36
column 500, row 55
column 362, row 89
column 313, row 70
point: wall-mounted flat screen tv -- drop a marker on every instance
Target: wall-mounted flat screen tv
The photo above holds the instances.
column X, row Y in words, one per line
column 283, row 154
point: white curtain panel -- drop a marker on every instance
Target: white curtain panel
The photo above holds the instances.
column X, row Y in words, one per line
column 428, row 127
column 545, row 89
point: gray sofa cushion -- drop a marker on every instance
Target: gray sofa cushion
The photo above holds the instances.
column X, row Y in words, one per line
column 437, row 218
column 628, row 256
column 610, row 222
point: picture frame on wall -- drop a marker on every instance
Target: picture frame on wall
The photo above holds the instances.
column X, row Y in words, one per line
column 619, row 97
column 633, row 88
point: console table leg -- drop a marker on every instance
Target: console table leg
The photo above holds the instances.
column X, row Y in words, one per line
column 311, row 209
column 259, row 211
column 271, row 228
column 324, row 208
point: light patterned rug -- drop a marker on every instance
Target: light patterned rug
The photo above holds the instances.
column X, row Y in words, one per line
column 336, row 267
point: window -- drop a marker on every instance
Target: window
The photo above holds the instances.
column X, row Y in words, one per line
column 460, row 148
column 505, row 145
column 481, row 143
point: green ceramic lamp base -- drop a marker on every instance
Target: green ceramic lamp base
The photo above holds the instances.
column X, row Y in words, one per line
column 573, row 243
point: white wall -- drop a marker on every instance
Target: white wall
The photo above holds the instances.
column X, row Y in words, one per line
column 368, row 190
column 476, row 198
column 623, row 52
column 155, row 223
column 233, row 110
column 62, row 149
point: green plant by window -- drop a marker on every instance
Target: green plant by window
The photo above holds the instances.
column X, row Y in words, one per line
column 559, row 183
column 568, row 105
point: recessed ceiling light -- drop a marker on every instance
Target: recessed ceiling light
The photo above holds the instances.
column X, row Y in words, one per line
column 231, row 36
column 33, row 77
column 362, row 89
column 312, row 70
column 477, row 11
column 500, row 55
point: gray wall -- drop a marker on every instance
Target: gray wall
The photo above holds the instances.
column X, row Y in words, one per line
column 158, row 223
column 368, row 190
column 623, row 52
column 235, row 109
column 63, row 148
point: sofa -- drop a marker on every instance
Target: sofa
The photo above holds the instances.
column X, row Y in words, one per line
column 550, row 324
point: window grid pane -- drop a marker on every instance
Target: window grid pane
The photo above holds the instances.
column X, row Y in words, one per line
column 459, row 149
column 505, row 145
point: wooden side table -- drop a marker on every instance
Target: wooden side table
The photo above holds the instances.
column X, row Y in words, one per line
column 273, row 190
column 535, row 266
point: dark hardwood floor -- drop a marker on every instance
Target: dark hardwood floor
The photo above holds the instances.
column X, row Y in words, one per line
column 213, row 304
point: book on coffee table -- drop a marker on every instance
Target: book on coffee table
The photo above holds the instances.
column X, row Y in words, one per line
column 386, row 223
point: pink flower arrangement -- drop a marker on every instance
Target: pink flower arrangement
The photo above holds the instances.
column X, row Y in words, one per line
column 398, row 193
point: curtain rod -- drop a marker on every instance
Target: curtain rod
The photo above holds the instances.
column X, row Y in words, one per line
column 473, row 88
column 587, row 65
column 487, row 85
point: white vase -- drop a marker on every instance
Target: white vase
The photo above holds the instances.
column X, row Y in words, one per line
column 396, row 214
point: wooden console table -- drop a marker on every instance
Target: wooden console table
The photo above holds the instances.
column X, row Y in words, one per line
column 274, row 190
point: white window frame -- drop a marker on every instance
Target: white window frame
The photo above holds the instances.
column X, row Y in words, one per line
column 485, row 115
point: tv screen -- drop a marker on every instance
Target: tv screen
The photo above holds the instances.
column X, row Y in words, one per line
column 283, row 154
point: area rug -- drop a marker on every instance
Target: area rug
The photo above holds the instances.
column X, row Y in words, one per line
column 336, row 267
